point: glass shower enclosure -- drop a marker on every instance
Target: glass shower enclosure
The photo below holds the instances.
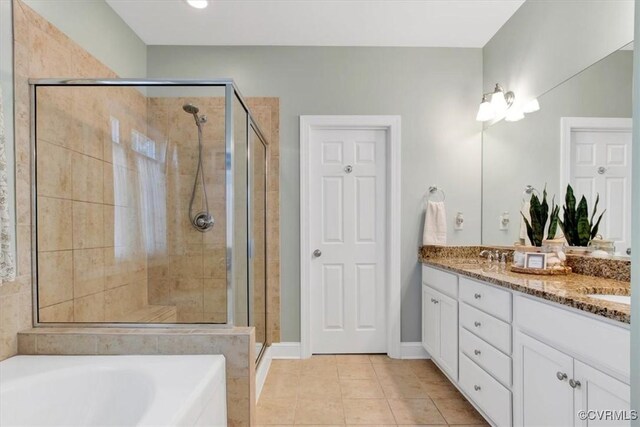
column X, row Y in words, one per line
column 149, row 204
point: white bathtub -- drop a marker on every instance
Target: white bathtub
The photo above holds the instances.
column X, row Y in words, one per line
column 113, row 391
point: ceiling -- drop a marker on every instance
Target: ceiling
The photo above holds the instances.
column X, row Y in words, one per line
column 429, row 23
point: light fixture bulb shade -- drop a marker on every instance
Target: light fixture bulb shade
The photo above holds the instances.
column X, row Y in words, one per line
column 531, row 106
column 485, row 111
column 514, row 114
column 498, row 102
column 198, row 4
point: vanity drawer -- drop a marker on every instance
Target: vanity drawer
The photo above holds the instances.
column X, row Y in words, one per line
column 447, row 283
column 491, row 329
column 491, row 360
column 491, row 396
column 492, row 300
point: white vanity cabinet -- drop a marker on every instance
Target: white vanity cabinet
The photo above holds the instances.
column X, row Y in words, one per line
column 544, row 397
column 597, row 391
column 522, row 360
column 440, row 319
column 553, row 387
column 567, row 362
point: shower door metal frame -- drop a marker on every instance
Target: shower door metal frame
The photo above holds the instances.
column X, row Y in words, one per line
column 252, row 125
column 231, row 91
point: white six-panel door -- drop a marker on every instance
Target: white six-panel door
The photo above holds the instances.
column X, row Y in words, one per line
column 600, row 163
column 347, row 225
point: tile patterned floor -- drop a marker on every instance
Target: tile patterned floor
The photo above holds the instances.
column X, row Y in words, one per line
column 357, row 390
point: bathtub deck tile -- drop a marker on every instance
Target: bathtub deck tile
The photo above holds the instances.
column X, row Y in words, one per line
column 127, row 344
column 66, row 344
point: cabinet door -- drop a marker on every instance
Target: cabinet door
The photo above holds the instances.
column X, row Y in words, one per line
column 600, row 392
column 430, row 322
column 543, row 394
column 449, row 335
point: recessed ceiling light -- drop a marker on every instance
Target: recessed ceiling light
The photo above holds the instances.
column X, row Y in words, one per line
column 198, row 4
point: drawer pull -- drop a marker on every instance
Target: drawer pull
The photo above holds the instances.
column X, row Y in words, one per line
column 574, row 383
column 477, row 296
column 561, row 376
column 476, row 324
column 477, row 388
column 477, row 352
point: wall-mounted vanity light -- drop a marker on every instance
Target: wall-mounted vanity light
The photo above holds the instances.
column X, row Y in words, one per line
column 485, row 112
column 531, row 106
column 500, row 104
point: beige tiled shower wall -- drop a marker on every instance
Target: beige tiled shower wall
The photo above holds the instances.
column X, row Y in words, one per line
column 40, row 51
column 191, row 273
column 92, row 264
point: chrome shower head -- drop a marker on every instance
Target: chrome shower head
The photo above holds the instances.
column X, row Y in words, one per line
column 190, row 108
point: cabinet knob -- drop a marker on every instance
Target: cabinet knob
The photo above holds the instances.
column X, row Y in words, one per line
column 574, row 383
column 476, row 324
column 477, row 388
column 317, row 253
column 477, row 352
column 561, row 376
column 477, row 296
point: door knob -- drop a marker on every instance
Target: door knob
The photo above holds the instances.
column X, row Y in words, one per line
column 317, row 253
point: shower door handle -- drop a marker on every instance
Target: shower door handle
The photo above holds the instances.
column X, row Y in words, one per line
column 317, row 253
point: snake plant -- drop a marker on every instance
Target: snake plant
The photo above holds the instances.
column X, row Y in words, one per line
column 539, row 213
column 578, row 228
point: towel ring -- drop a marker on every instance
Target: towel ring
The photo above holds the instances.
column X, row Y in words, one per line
column 435, row 190
column 528, row 191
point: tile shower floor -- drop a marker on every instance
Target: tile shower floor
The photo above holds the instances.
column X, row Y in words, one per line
column 361, row 390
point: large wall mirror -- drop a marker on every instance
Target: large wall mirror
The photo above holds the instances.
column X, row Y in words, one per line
column 580, row 136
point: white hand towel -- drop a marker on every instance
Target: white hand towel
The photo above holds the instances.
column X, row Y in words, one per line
column 435, row 224
column 526, row 211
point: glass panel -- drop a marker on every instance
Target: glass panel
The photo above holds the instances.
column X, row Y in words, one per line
column 125, row 177
column 240, row 226
column 258, row 217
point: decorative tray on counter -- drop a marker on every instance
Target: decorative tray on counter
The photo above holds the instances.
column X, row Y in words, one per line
column 561, row 271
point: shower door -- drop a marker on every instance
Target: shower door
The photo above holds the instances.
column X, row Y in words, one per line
column 258, row 241
column 149, row 204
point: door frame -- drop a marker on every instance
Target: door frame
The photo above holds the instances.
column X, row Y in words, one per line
column 570, row 124
column 393, row 225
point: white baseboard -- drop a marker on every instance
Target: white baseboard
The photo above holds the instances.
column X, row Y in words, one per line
column 263, row 370
column 285, row 350
column 413, row 350
column 291, row 350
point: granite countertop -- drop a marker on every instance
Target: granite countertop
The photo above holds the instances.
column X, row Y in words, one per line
column 570, row 290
